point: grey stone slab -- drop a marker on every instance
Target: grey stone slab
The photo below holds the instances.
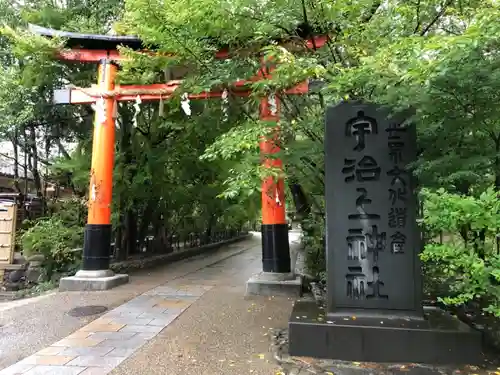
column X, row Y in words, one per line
column 122, row 314
column 141, row 329
column 95, row 351
column 133, row 321
column 142, row 303
column 194, row 293
column 163, row 322
column 121, row 352
column 147, row 315
column 74, row 283
column 372, row 234
column 97, row 371
column 139, row 309
column 96, row 361
column 133, row 343
column 174, row 312
column 55, row 370
column 120, row 335
column 18, row 368
column 161, row 290
column 146, row 335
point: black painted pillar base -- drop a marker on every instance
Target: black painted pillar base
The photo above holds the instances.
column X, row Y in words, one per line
column 95, row 273
column 275, row 248
column 96, row 247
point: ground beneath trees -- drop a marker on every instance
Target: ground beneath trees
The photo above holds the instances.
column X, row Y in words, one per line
column 186, row 318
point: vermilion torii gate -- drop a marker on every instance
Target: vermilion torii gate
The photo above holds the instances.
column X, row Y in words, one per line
column 102, row 49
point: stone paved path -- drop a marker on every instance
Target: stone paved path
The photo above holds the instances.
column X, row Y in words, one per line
column 30, row 326
column 196, row 323
column 106, row 342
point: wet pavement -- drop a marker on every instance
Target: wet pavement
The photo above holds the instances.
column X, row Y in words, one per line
column 191, row 317
column 27, row 326
column 222, row 333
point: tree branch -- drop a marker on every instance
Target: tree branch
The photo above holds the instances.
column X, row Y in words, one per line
column 446, row 4
column 419, row 21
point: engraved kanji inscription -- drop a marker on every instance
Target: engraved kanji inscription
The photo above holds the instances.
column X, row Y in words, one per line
column 356, row 283
column 375, row 242
column 397, row 193
column 376, row 285
column 398, row 241
column 359, row 127
column 397, row 175
column 366, row 169
column 396, row 151
column 372, row 236
column 397, row 217
column 356, row 245
column 361, row 200
column 395, row 131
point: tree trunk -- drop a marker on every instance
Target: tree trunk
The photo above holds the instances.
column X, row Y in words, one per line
column 14, row 141
column 302, row 206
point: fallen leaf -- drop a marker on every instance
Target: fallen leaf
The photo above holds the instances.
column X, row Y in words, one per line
column 356, row 363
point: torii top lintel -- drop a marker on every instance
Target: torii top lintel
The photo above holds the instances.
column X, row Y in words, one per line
column 95, row 47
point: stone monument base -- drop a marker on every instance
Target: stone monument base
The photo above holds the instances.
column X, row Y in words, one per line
column 92, row 281
column 275, row 284
column 437, row 339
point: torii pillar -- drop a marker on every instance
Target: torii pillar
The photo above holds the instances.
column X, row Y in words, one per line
column 277, row 276
column 95, row 273
column 275, row 246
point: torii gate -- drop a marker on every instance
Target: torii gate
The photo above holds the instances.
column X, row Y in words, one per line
column 102, row 49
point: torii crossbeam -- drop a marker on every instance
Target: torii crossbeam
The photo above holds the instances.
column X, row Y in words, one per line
column 103, row 49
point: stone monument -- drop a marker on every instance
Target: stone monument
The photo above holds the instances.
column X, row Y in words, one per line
column 374, row 288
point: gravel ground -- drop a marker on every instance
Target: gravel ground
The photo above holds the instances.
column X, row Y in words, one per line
column 27, row 326
column 223, row 333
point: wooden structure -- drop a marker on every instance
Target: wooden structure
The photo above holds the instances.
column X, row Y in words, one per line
column 102, row 49
column 8, row 214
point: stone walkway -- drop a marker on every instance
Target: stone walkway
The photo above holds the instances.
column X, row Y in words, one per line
column 27, row 326
column 106, row 342
column 197, row 323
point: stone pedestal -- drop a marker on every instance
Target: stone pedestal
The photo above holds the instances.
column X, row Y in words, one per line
column 92, row 281
column 374, row 289
column 285, row 283
column 439, row 338
column 274, row 284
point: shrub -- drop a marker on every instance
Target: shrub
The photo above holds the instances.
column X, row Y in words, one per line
column 71, row 211
column 468, row 256
column 314, row 244
column 55, row 240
